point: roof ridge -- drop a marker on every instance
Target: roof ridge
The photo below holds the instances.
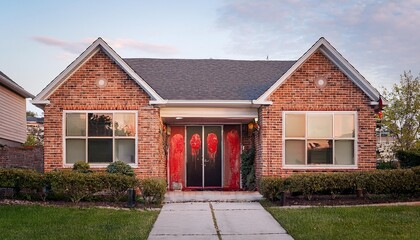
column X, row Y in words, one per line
column 206, row 59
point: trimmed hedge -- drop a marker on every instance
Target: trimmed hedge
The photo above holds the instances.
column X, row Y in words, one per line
column 271, row 187
column 398, row 181
column 23, row 179
column 121, row 168
column 408, row 159
column 153, row 190
column 71, row 185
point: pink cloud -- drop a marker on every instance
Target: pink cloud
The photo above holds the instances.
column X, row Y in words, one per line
column 76, row 47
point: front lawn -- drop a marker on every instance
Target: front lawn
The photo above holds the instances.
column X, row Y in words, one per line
column 42, row 222
column 390, row 222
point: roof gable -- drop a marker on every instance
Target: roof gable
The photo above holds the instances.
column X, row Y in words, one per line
column 11, row 85
column 98, row 44
column 336, row 58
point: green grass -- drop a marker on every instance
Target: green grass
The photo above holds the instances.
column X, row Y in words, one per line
column 41, row 222
column 390, row 222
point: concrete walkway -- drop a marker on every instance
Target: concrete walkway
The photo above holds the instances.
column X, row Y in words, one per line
column 216, row 220
column 212, row 196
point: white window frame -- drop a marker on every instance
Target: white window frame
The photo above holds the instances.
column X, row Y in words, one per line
column 320, row 166
column 100, row 165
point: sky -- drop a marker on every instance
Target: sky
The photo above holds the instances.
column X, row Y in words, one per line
column 39, row 39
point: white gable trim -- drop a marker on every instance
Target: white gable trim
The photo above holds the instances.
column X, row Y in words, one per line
column 334, row 56
column 98, row 44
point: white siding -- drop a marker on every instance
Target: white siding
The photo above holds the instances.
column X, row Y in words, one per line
column 12, row 116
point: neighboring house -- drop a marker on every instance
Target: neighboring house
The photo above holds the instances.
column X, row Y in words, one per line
column 187, row 120
column 35, row 127
column 12, row 112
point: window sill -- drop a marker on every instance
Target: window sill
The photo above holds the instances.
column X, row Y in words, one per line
column 67, row 165
column 308, row 167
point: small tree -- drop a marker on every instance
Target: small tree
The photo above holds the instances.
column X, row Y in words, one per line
column 31, row 114
column 402, row 115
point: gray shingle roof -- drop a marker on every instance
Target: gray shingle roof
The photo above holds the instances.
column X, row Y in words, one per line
column 209, row 79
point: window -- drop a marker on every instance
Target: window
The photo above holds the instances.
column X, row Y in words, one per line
column 319, row 138
column 100, row 137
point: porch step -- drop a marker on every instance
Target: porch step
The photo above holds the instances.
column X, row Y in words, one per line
column 212, row 196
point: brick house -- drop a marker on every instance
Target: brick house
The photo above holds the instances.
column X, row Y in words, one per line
column 189, row 120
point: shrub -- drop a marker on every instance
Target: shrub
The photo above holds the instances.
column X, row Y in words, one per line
column 117, row 184
column 82, row 167
column 247, row 169
column 271, row 187
column 387, row 165
column 30, row 141
column 74, row 184
column 121, row 168
column 153, row 190
column 23, row 179
column 409, row 158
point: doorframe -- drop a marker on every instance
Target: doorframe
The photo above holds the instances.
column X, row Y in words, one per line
column 222, row 159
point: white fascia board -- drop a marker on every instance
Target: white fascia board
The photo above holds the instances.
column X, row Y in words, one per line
column 206, row 103
column 209, row 112
column 60, row 79
column 40, row 102
column 291, row 70
column 152, row 93
column 85, row 56
column 332, row 54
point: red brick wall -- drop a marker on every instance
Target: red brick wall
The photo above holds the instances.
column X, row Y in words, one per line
column 299, row 93
column 80, row 92
column 21, row 157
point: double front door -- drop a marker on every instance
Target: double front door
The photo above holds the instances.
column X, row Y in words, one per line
column 204, row 156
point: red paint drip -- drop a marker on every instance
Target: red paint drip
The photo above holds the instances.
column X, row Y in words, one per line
column 212, row 142
column 234, row 149
column 195, row 144
column 177, row 156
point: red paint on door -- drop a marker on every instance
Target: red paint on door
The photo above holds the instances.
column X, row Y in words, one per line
column 212, row 146
column 176, row 155
column 195, row 143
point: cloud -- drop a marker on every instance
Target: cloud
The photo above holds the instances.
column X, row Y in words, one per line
column 76, row 47
column 69, row 47
column 379, row 37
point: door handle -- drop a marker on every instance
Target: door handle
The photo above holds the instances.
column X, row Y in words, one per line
column 206, row 160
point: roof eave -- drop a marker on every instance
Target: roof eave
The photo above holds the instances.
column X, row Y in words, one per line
column 209, row 103
column 15, row 88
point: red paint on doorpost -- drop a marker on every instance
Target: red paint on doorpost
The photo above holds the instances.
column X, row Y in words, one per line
column 176, row 155
column 233, row 144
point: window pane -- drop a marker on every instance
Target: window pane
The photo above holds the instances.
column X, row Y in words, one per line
column 125, row 150
column 100, row 124
column 344, row 126
column 100, row 150
column 76, row 124
column 320, row 126
column 125, row 124
column 295, row 152
column 320, row 152
column 75, row 150
column 344, row 152
column 295, row 125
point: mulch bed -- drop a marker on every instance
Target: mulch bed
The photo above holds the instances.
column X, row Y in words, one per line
column 327, row 200
column 110, row 205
